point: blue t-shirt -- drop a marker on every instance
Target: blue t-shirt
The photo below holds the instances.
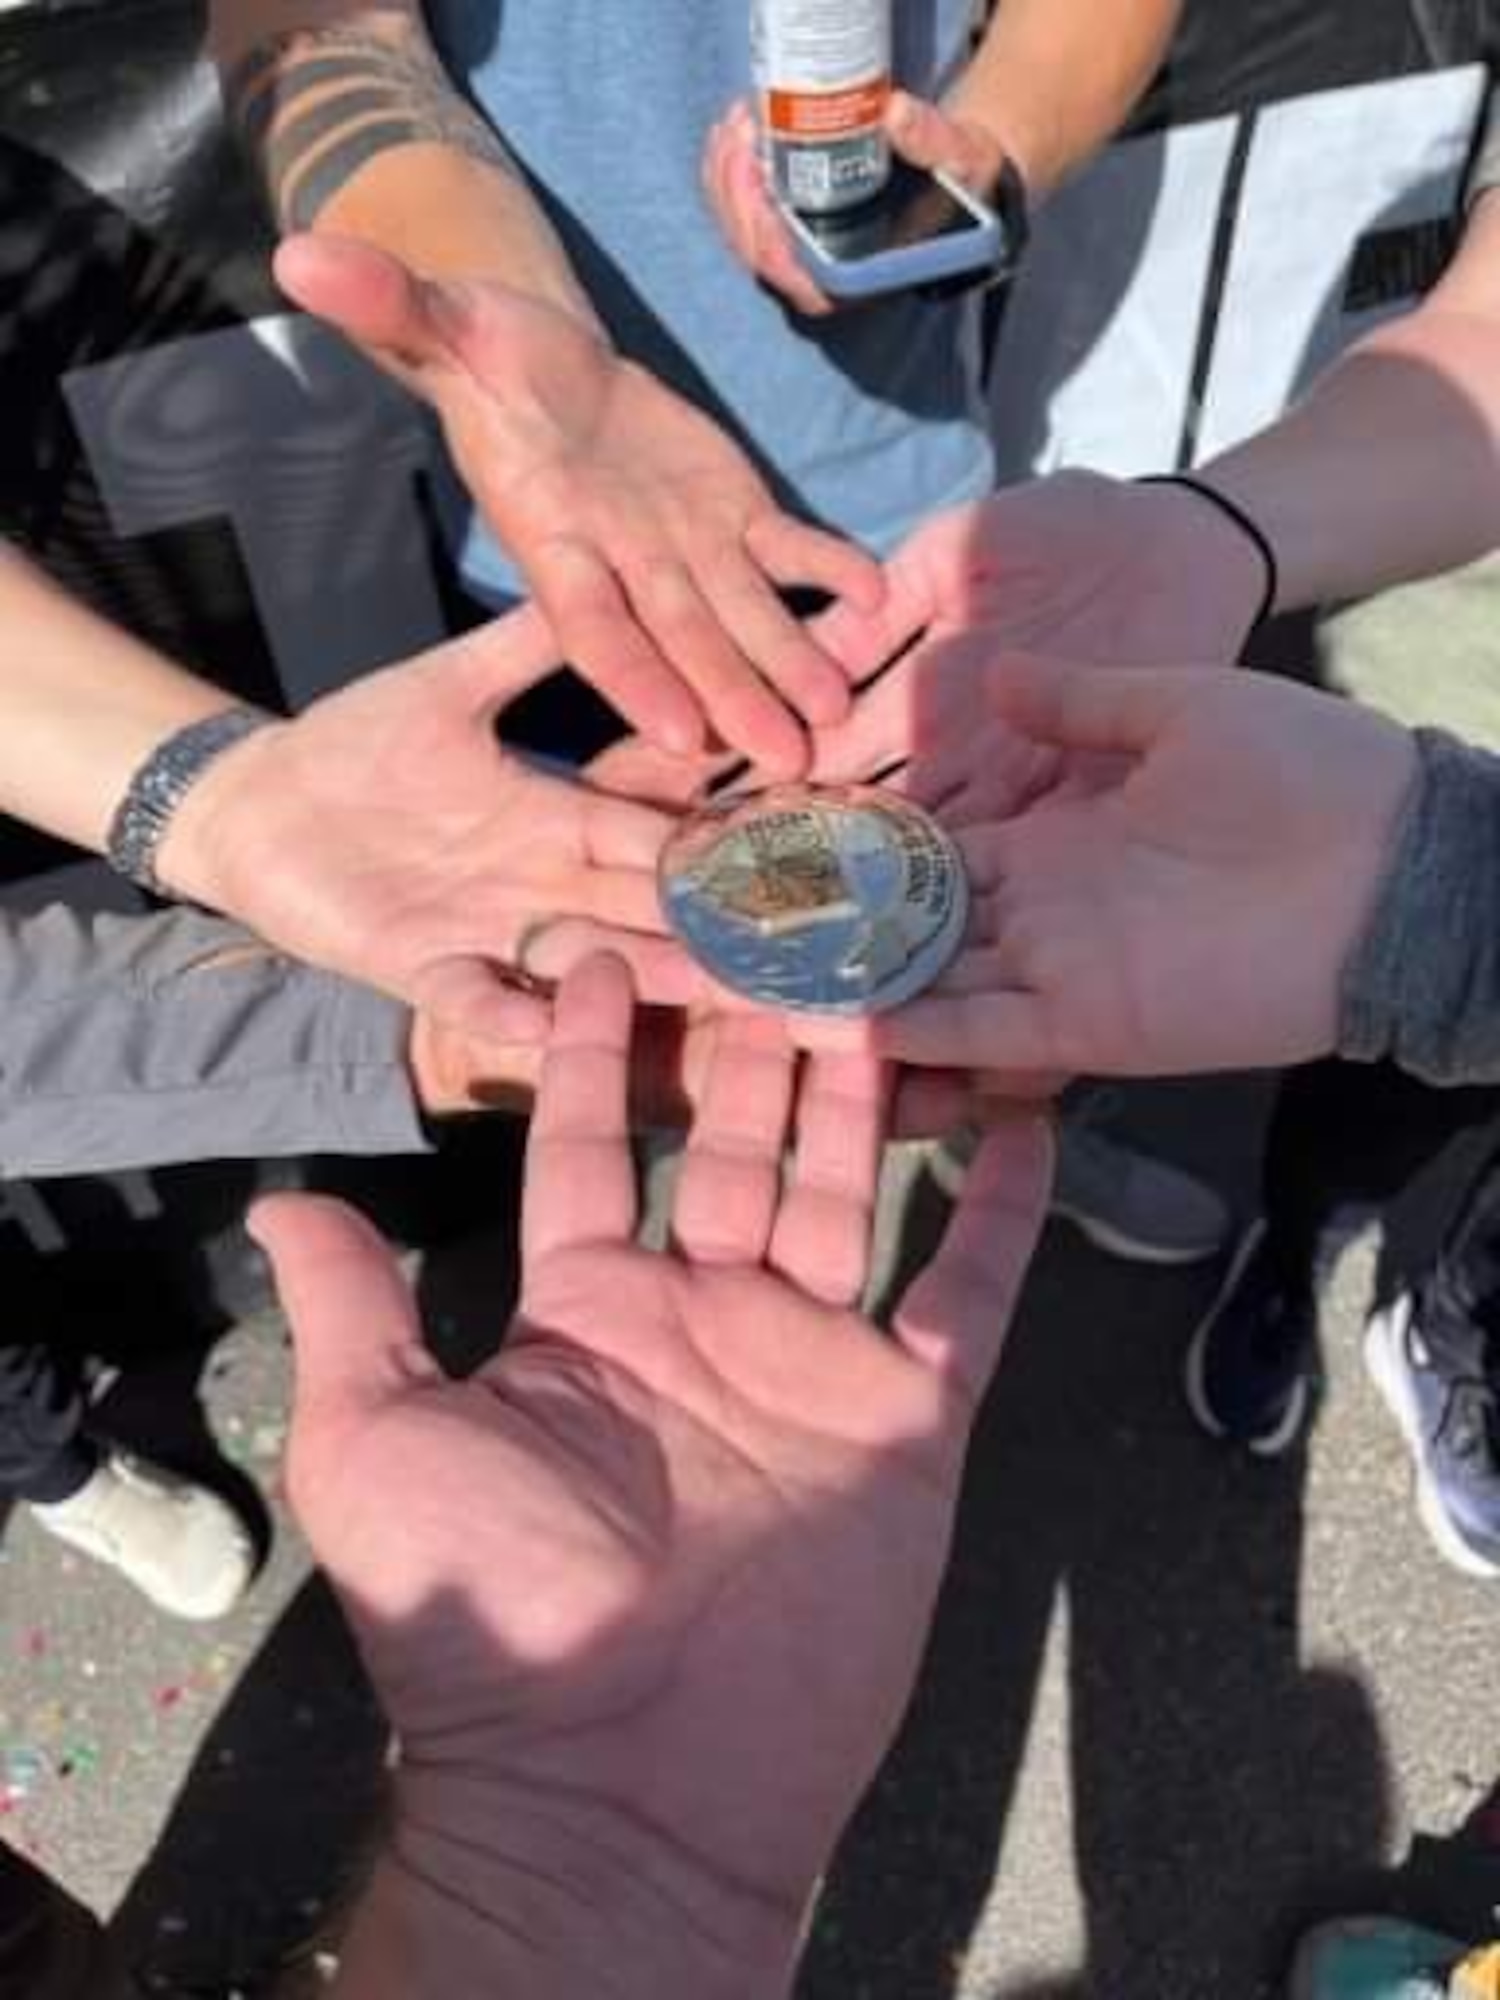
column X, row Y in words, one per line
column 870, row 420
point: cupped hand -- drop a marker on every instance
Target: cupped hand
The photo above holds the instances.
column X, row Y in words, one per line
column 388, row 835
column 1191, row 904
column 1074, row 567
column 655, row 1582
column 645, row 534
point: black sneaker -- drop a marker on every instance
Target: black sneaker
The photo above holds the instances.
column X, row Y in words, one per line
column 1249, row 1368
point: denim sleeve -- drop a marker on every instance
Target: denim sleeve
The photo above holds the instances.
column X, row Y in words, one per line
column 138, row 1041
column 1423, row 984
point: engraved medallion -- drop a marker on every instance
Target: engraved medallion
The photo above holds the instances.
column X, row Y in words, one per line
column 840, row 899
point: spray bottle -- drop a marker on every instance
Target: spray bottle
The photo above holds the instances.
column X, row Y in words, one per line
column 823, row 78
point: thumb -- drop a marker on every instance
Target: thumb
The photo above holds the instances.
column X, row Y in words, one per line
column 354, row 1323
column 367, row 294
column 494, row 663
column 1120, row 709
column 928, row 137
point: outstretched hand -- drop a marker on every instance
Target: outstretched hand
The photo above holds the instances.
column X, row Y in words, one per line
column 645, row 1597
column 644, row 533
column 388, row 835
column 1075, row 567
column 1186, row 897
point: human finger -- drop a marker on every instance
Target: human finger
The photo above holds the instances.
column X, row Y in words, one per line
column 1116, row 709
column 580, row 1180
column 927, row 136
column 634, row 768
column 978, row 1030
column 600, row 637
column 729, row 1187
column 476, row 995
column 368, row 294
column 355, row 1330
column 766, row 633
column 795, row 554
column 663, row 973
column 671, row 596
column 956, row 1315
column 821, row 1241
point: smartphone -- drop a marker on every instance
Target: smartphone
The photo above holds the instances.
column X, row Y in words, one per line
column 921, row 229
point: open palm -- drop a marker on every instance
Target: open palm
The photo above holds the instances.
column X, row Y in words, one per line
column 388, row 835
column 1192, row 910
column 652, row 543
column 668, row 1561
column 1075, row 567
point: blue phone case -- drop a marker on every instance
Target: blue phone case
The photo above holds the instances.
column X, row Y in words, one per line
column 909, row 268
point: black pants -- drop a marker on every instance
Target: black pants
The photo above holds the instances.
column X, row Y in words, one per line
column 44, row 1454
column 51, row 1948
column 1429, row 1159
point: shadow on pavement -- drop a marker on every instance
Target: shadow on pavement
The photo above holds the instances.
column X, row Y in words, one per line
column 1213, row 1779
column 282, row 1804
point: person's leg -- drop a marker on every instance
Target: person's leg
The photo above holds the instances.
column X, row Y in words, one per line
column 1461, row 1296
column 51, row 1947
column 1358, row 1135
column 1433, row 1352
column 1129, row 1203
column 45, row 1456
column 1341, row 1135
column 177, row 1543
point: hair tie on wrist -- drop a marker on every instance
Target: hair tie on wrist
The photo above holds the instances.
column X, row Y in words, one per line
column 1248, row 527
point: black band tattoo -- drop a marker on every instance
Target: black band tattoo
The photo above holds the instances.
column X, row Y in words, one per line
column 315, row 106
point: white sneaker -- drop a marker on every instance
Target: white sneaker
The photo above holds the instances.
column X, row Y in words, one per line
column 179, row 1544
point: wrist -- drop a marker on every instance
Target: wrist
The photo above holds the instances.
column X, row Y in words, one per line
column 208, row 843
column 495, row 1888
column 1217, row 544
column 448, row 217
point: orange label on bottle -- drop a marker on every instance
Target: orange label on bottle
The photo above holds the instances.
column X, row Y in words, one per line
column 825, row 114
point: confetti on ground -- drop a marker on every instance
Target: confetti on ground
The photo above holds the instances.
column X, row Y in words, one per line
column 268, row 1440
column 22, row 1768
column 78, row 1760
column 36, row 1644
column 169, row 1697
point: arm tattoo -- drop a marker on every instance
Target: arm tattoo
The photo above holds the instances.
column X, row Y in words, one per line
column 316, row 105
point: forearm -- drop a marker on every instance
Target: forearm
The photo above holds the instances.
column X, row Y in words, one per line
column 354, row 129
column 82, row 705
column 1389, row 469
column 1054, row 79
column 142, row 1041
column 1422, row 987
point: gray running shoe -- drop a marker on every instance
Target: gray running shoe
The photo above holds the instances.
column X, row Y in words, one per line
column 1132, row 1205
